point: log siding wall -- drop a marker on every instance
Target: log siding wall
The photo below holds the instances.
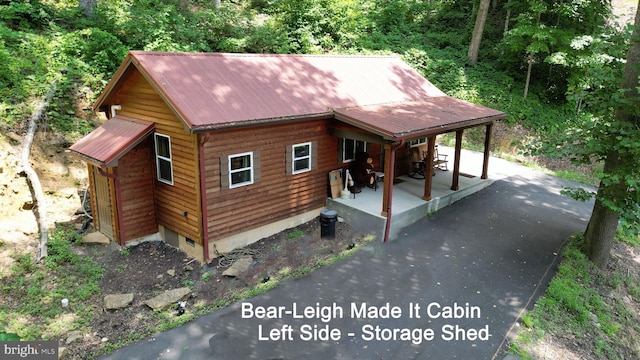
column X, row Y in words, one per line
column 276, row 195
column 136, row 175
column 177, row 205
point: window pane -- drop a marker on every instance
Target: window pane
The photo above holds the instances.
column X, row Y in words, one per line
column 164, row 168
column 302, row 164
column 240, row 162
column 352, row 147
column 162, row 146
column 300, row 151
column 240, row 177
column 349, row 149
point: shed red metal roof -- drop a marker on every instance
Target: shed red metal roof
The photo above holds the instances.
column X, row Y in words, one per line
column 106, row 144
column 419, row 118
column 211, row 90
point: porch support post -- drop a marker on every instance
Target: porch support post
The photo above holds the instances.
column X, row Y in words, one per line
column 487, row 147
column 456, row 161
column 387, row 195
column 388, row 178
column 428, row 171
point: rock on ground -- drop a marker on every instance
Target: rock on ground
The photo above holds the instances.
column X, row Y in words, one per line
column 117, row 301
column 239, row 266
column 168, row 298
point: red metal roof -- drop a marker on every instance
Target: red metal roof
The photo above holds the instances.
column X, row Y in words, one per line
column 211, row 90
column 106, row 144
column 419, row 118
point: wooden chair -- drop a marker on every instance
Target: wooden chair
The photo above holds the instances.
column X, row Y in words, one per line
column 440, row 160
column 417, row 163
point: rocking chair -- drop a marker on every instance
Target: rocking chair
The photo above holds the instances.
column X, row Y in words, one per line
column 440, row 160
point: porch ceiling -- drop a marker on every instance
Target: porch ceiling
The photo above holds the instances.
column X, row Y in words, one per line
column 113, row 139
column 419, row 118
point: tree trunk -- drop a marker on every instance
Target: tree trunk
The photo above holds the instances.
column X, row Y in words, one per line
column 88, row 7
column 601, row 230
column 478, row 30
column 40, row 208
column 506, row 24
column 217, row 4
column 526, row 83
column 530, row 66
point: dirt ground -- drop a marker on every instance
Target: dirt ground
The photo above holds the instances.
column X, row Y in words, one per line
column 152, row 267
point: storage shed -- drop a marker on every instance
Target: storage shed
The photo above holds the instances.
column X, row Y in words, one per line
column 209, row 150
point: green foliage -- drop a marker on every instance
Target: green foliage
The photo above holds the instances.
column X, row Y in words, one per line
column 25, row 57
column 294, row 234
column 541, row 31
column 34, row 61
column 99, row 51
column 629, row 238
column 40, row 287
column 58, row 247
column 4, row 336
column 484, row 85
column 25, row 14
column 573, row 306
column 313, row 26
column 396, row 16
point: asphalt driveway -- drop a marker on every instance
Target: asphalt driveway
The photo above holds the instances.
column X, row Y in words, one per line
column 450, row 286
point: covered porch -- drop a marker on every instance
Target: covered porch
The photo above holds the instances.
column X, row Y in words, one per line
column 408, row 205
column 395, row 126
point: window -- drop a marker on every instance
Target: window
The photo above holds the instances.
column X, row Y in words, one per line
column 351, row 147
column 240, row 169
column 301, row 158
column 418, row 142
column 164, row 165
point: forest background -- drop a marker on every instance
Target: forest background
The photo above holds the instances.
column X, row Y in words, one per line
column 553, row 66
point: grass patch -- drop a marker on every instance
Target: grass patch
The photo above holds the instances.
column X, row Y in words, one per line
column 629, row 238
column 590, row 179
column 297, row 233
column 583, row 306
column 38, row 288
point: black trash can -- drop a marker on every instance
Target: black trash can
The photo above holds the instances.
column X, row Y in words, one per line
column 328, row 220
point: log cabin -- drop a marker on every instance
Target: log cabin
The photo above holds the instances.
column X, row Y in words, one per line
column 211, row 151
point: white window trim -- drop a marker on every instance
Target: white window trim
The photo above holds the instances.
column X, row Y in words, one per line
column 294, row 158
column 344, row 149
column 231, row 172
column 160, row 157
column 418, row 142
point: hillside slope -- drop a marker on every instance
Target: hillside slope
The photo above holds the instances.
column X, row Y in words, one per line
column 62, row 179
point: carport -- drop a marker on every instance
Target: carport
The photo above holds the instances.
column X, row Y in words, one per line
column 394, row 124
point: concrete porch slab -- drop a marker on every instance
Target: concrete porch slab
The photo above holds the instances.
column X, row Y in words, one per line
column 364, row 211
